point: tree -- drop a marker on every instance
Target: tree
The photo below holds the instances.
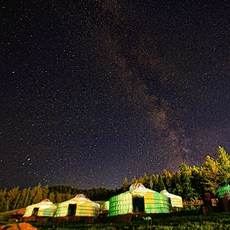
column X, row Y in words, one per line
column 210, row 172
column 45, row 192
column 125, row 184
column 185, row 174
column 167, row 177
column 223, row 163
column 134, row 180
column 146, row 180
column 17, row 201
column 12, row 197
column 28, row 199
column 141, row 180
column 52, row 197
column 37, row 194
column 59, row 197
column 196, row 178
column 25, row 194
column 3, row 202
column 176, row 184
column 159, row 183
column 151, row 182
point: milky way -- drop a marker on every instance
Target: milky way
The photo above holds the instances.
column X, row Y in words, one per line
column 95, row 91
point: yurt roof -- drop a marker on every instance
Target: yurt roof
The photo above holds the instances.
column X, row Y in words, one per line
column 44, row 203
column 165, row 192
column 139, row 188
column 80, row 199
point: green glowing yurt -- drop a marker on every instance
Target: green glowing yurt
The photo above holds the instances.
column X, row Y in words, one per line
column 43, row 209
column 138, row 200
column 223, row 191
column 175, row 201
column 79, row 206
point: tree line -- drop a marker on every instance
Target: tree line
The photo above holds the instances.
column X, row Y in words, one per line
column 190, row 182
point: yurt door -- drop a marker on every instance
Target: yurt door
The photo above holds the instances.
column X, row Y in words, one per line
column 35, row 212
column 72, row 209
column 138, row 204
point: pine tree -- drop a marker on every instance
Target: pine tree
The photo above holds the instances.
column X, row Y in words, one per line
column 3, row 203
column 52, row 197
column 151, row 182
column 146, row 180
column 17, row 201
column 125, row 184
column 37, row 194
column 159, row 183
column 167, row 177
column 210, row 171
column 45, row 192
column 141, row 180
column 12, row 197
column 28, row 199
column 176, row 184
column 134, row 180
column 196, row 178
column 22, row 201
column 185, row 174
column 223, row 162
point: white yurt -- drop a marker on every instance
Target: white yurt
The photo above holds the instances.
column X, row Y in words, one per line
column 45, row 208
column 175, row 200
column 76, row 208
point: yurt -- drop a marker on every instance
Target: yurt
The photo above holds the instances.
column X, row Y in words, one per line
column 175, row 200
column 105, row 207
column 224, row 198
column 77, row 208
column 138, row 201
column 42, row 210
column 222, row 191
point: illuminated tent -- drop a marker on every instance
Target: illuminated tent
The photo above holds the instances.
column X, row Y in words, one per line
column 176, row 201
column 138, row 200
column 222, row 191
column 105, row 206
column 79, row 206
column 43, row 209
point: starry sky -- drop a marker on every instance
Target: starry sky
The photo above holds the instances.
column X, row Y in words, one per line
column 93, row 91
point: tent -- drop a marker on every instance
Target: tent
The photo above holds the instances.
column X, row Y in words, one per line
column 138, row 200
column 105, row 206
column 43, row 209
column 224, row 198
column 79, row 206
column 222, row 191
column 175, row 201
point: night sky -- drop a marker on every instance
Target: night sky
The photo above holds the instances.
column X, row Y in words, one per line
column 94, row 91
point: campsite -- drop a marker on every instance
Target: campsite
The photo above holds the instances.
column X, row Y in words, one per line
column 137, row 208
column 186, row 199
